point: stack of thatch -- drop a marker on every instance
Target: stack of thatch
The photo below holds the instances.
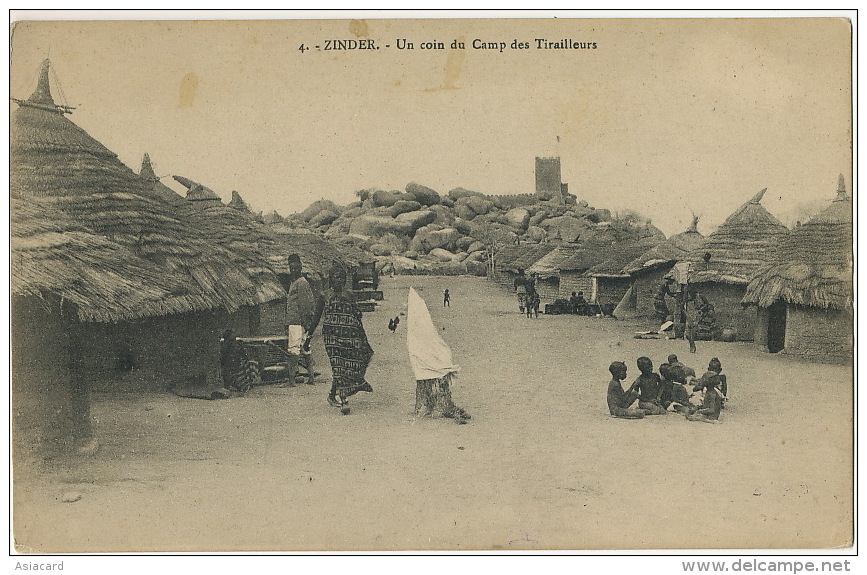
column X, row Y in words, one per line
column 815, row 263
column 53, row 158
column 747, row 241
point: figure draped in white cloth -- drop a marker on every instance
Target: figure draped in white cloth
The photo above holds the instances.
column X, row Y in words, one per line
column 432, row 363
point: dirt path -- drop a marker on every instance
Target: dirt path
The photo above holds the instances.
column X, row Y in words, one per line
column 540, row 466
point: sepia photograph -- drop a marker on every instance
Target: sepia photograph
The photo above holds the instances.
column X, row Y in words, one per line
column 380, row 283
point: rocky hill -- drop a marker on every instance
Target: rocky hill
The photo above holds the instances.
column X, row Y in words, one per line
column 420, row 229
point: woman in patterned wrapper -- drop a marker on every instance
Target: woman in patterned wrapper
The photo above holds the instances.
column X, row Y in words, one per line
column 345, row 343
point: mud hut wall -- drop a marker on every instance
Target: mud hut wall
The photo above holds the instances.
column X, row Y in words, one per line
column 824, row 334
column 761, row 333
column 548, row 288
column 645, row 287
column 505, row 279
column 730, row 313
column 268, row 318
column 153, row 353
column 43, row 419
column 272, row 318
column 611, row 290
column 575, row 281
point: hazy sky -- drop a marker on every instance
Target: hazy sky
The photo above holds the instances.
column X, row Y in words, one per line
column 663, row 116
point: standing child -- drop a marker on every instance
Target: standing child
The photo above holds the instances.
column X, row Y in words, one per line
column 447, row 298
column 619, row 400
column 648, row 384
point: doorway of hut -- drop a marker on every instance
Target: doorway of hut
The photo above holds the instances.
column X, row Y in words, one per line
column 777, row 326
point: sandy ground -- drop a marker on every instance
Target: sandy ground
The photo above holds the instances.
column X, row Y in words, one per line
column 540, row 466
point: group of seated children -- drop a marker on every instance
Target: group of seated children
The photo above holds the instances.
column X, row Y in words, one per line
column 669, row 390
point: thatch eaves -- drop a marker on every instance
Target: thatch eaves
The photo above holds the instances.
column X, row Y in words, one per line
column 815, row 263
column 52, row 255
column 746, row 242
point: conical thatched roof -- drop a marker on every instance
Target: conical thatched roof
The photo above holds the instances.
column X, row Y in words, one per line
column 52, row 255
column 238, row 203
column 747, row 241
column 147, row 173
column 53, row 158
column 674, row 248
column 815, row 263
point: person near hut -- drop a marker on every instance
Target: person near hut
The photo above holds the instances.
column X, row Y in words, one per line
column 660, row 305
column 346, row 343
column 533, row 302
column 706, row 328
column 239, row 372
column 712, row 403
column 447, row 298
column 693, row 304
column 648, row 386
column 432, row 364
column 579, row 304
column 521, row 289
column 620, row 401
column 301, row 314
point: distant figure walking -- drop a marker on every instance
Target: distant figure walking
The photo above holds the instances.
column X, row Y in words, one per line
column 521, row 289
column 447, row 298
column 533, row 302
column 393, row 323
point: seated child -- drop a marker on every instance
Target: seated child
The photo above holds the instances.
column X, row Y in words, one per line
column 619, row 400
column 673, row 396
column 713, row 400
column 648, row 384
column 714, row 372
column 682, row 373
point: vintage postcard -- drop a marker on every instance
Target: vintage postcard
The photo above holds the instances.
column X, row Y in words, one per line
column 379, row 284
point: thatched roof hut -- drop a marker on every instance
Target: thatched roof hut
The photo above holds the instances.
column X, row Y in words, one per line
column 53, row 158
column 648, row 270
column 747, row 241
column 815, row 262
column 730, row 257
column 666, row 253
column 805, row 299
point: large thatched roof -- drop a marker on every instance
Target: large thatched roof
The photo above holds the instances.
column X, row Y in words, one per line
column 52, row 255
column 616, row 256
column 747, row 241
column 674, row 248
column 54, row 159
column 250, row 237
column 521, row 257
column 815, row 262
